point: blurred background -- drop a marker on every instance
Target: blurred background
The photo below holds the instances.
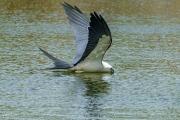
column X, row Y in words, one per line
column 124, row 7
column 145, row 54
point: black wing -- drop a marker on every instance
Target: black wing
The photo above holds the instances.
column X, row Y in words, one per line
column 99, row 38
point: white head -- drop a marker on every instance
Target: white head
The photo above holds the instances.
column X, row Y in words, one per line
column 107, row 67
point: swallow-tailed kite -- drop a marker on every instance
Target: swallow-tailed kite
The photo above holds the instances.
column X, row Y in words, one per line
column 92, row 38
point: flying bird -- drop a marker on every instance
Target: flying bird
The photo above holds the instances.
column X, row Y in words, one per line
column 92, row 38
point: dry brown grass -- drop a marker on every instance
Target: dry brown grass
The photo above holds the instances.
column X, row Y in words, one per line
column 124, row 7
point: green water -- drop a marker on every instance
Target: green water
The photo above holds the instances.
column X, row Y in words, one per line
column 145, row 55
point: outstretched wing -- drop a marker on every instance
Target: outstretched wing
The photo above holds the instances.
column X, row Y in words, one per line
column 80, row 24
column 99, row 39
column 93, row 37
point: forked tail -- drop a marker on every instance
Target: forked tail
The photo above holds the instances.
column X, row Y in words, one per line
column 59, row 64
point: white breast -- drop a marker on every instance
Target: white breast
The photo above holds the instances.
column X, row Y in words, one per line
column 92, row 67
column 106, row 65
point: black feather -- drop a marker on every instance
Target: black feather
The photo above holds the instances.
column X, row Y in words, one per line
column 98, row 28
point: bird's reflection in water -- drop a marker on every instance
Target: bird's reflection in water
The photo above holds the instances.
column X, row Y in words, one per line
column 95, row 90
column 95, row 85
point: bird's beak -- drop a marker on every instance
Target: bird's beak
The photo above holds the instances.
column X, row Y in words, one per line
column 112, row 70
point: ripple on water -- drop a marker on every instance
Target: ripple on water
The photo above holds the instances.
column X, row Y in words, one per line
column 144, row 54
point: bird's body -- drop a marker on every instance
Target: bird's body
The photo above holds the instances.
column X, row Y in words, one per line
column 92, row 38
column 92, row 67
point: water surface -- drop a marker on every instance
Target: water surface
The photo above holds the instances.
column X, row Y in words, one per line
column 145, row 55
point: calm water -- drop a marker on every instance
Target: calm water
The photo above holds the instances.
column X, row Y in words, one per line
column 145, row 55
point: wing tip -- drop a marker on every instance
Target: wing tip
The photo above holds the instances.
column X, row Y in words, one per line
column 65, row 4
column 98, row 17
column 68, row 6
